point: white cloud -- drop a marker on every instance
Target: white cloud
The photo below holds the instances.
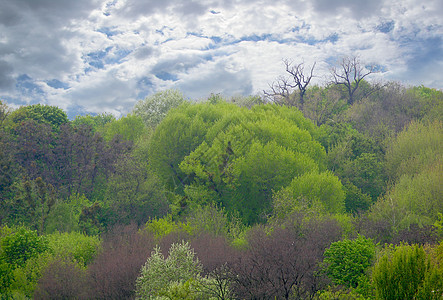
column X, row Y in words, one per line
column 108, row 54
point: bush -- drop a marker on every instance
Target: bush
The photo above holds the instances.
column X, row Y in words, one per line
column 406, row 272
column 114, row 271
column 347, row 260
column 160, row 276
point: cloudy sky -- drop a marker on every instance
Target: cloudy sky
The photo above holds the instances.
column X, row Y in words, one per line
column 92, row 56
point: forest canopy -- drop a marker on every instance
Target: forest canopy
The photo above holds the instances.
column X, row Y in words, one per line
column 314, row 192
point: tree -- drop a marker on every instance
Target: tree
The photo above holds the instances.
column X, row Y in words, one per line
column 154, row 108
column 350, row 73
column 406, row 272
column 159, row 274
column 282, row 91
column 44, row 114
column 4, row 112
column 97, row 122
column 18, row 245
column 416, row 148
column 62, row 279
column 348, row 260
column 282, row 262
column 114, row 271
column 310, row 189
column 130, row 128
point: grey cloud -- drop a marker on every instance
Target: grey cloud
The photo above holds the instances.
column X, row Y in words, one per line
column 178, row 64
column 45, row 10
column 143, row 52
column 218, row 80
column 109, row 94
column 359, row 8
column 6, row 79
column 135, row 8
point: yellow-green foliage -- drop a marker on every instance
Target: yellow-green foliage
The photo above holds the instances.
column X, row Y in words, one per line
column 408, row 272
column 311, row 189
column 161, row 227
column 415, row 149
column 74, row 246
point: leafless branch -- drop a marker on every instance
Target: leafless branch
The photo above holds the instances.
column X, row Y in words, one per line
column 350, row 73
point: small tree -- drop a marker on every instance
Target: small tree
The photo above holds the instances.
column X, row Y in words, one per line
column 161, row 276
column 400, row 273
column 154, row 108
column 347, row 260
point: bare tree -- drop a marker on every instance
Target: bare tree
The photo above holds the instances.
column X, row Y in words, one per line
column 350, row 72
column 284, row 87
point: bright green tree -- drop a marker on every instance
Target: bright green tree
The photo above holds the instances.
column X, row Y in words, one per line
column 401, row 272
column 17, row 246
column 347, row 261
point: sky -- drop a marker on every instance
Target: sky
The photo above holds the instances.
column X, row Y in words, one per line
column 95, row 56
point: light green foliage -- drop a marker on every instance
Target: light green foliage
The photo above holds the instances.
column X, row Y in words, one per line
column 162, row 276
column 405, row 272
column 74, row 246
column 160, row 227
column 215, row 220
column 415, row 149
column 311, row 189
column 25, row 278
column 323, row 105
column 235, row 157
column 348, row 260
column 18, row 245
column 97, row 122
column 414, row 162
column 4, row 112
column 176, row 136
column 356, row 201
column 45, row 114
column 154, row 108
column 421, row 194
column 339, row 294
column 431, row 102
column 130, row 128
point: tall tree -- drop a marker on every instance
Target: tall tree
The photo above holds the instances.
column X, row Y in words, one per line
column 282, row 90
column 350, row 73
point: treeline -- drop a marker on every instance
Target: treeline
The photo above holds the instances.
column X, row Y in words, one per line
column 314, row 193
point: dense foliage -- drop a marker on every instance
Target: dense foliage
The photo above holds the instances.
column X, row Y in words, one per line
column 310, row 194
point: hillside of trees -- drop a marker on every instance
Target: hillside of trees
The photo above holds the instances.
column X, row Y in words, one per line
column 308, row 192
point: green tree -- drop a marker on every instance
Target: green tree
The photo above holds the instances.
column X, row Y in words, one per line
column 310, row 190
column 160, row 276
column 154, row 108
column 45, row 114
column 97, row 122
column 416, row 148
column 347, row 261
column 400, row 272
column 17, row 246
column 130, row 128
